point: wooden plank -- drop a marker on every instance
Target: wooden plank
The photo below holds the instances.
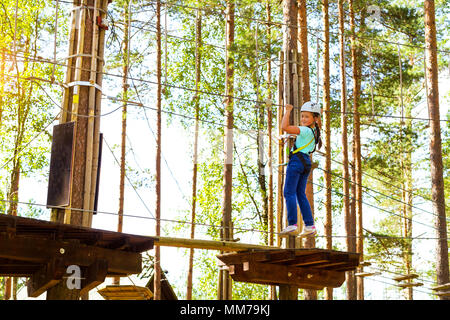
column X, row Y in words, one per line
column 43, row 250
column 208, row 244
column 94, row 275
column 445, row 286
column 406, row 277
column 443, row 294
column 46, row 277
column 59, row 231
column 18, row 270
column 319, row 259
column 237, row 274
column 302, row 277
column 367, row 274
column 125, row 292
column 409, row 285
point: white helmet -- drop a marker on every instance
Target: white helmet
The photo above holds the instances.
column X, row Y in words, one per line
column 311, row 107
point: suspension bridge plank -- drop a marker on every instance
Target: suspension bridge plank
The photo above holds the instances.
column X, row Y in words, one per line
column 309, row 268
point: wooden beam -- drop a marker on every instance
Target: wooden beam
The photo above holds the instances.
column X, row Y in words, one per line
column 18, row 270
column 406, row 277
column 208, row 244
column 94, row 275
column 367, row 274
column 41, row 251
column 409, row 285
column 126, row 292
column 441, row 287
column 302, row 277
column 46, row 277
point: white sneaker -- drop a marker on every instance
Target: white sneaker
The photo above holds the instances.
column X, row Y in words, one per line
column 308, row 231
column 291, row 230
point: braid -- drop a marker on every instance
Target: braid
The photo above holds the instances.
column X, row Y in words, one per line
column 318, row 138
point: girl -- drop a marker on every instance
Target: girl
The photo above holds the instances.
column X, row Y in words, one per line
column 299, row 166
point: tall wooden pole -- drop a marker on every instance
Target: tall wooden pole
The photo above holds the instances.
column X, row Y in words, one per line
column 437, row 180
column 327, row 133
column 157, row 267
column 310, row 242
column 126, row 54
column 290, row 82
column 356, row 67
column 272, row 291
column 82, row 104
column 198, row 43
column 345, row 172
column 227, row 232
column 281, row 151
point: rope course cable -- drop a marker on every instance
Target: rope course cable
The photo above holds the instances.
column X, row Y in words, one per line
column 218, row 227
column 255, row 102
column 282, row 24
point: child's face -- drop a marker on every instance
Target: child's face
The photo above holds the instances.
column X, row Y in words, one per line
column 307, row 118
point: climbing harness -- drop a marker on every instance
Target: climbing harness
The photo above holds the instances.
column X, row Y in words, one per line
column 296, row 151
column 306, row 166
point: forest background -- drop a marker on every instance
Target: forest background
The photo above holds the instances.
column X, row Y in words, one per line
column 398, row 219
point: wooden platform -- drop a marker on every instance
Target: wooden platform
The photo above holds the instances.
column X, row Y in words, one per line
column 125, row 292
column 304, row 268
column 43, row 250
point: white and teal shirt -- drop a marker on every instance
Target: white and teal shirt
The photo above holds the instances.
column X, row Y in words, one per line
column 305, row 136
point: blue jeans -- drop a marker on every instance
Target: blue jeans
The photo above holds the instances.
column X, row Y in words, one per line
column 294, row 189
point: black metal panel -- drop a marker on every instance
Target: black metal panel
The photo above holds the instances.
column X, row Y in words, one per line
column 61, row 165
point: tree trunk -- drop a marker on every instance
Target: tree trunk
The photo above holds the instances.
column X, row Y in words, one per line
column 157, row 268
column 270, row 227
column 345, row 172
column 227, row 232
column 288, row 95
column 2, row 84
column 306, row 96
column 198, row 45
column 357, row 244
column 437, row 180
column 327, row 134
column 260, row 139
column 126, row 53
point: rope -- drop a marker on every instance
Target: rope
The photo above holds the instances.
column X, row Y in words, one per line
column 237, row 97
column 241, row 229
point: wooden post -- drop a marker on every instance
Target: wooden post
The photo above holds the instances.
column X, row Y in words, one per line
column 82, row 104
column 290, row 95
column 345, row 172
column 358, row 244
column 306, row 96
column 437, row 180
column 272, row 289
column 228, row 161
column 125, row 61
column 157, row 266
column 281, row 151
column 327, row 134
column 198, row 44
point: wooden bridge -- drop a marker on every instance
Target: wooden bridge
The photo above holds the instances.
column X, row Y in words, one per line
column 42, row 251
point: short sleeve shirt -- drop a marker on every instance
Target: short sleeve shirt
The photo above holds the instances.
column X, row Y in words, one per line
column 303, row 138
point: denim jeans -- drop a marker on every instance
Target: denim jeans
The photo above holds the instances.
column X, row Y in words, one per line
column 294, row 190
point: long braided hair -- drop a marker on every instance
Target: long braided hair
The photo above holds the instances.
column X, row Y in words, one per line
column 317, row 135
